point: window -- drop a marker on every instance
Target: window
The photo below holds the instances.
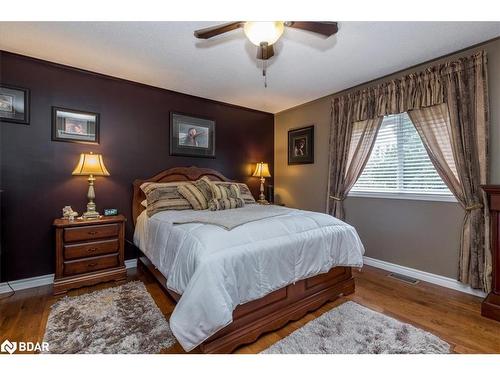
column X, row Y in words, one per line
column 399, row 166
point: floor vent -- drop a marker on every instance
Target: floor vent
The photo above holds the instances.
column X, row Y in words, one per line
column 403, row 278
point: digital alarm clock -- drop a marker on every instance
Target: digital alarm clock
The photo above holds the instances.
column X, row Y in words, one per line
column 110, row 211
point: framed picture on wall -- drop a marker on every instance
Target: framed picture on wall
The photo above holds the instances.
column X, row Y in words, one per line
column 69, row 125
column 14, row 104
column 191, row 136
column 301, row 145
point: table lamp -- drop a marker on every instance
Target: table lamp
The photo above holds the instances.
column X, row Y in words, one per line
column 90, row 165
column 262, row 171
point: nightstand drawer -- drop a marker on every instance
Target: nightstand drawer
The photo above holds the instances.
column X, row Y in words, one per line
column 90, row 249
column 75, row 267
column 89, row 252
column 91, row 232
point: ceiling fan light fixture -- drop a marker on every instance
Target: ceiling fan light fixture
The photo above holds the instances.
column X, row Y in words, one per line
column 263, row 32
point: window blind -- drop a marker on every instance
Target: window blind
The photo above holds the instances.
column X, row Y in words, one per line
column 399, row 163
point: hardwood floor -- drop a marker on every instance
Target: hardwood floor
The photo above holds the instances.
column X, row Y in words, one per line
column 451, row 315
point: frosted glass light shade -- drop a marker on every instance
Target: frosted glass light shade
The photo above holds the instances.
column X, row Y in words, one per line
column 259, row 32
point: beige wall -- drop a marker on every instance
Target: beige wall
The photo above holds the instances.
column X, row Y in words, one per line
column 418, row 234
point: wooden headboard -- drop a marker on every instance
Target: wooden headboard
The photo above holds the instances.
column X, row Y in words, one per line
column 171, row 175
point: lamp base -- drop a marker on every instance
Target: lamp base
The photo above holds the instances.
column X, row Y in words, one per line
column 91, row 212
column 91, row 215
column 262, row 197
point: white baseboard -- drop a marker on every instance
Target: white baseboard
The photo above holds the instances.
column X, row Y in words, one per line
column 131, row 263
column 417, row 274
column 424, row 276
column 33, row 282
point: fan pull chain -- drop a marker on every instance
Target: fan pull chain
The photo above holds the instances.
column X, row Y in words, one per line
column 264, row 72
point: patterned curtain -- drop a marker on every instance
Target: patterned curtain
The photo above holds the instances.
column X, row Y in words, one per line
column 358, row 140
column 455, row 137
column 448, row 103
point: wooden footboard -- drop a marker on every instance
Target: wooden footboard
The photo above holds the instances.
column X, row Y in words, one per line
column 273, row 311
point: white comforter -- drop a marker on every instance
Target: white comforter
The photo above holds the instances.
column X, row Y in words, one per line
column 215, row 270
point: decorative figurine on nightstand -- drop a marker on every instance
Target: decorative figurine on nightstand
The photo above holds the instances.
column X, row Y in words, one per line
column 68, row 213
column 262, row 171
column 91, row 165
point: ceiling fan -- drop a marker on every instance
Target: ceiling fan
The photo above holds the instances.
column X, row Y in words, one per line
column 265, row 34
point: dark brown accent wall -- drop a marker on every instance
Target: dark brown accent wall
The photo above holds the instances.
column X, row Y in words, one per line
column 36, row 172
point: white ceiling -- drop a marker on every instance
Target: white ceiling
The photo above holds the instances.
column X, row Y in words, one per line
column 305, row 67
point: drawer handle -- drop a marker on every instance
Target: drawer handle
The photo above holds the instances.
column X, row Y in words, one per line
column 92, row 265
column 92, row 249
column 92, row 233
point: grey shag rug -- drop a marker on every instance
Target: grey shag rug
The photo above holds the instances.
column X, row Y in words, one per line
column 123, row 319
column 354, row 329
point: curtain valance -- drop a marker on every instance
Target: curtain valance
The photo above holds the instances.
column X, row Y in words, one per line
column 413, row 91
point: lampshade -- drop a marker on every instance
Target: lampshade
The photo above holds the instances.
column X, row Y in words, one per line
column 258, row 32
column 90, row 164
column 261, row 170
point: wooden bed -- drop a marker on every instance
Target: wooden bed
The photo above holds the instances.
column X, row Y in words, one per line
column 268, row 313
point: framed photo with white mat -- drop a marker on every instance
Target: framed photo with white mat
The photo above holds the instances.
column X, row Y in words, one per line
column 69, row 125
column 14, row 104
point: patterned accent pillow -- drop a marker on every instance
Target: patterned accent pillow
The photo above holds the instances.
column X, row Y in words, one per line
column 245, row 192
column 225, row 197
column 225, row 203
column 194, row 195
column 225, row 191
column 163, row 196
column 204, row 185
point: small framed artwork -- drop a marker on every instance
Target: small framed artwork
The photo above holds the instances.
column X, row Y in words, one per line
column 192, row 136
column 14, row 104
column 301, row 145
column 70, row 125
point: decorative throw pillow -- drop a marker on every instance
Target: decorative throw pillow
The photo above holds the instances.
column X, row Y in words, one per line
column 225, row 197
column 194, row 196
column 245, row 192
column 224, row 191
column 204, row 185
column 164, row 196
column 225, row 203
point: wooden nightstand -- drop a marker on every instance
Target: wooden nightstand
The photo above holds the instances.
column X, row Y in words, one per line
column 89, row 252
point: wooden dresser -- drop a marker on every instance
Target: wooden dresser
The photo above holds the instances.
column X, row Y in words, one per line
column 491, row 305
column 89, row 252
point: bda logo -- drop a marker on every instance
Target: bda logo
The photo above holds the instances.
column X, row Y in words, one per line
column 9, row 347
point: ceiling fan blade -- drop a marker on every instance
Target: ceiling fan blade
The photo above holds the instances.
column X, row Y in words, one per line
column 212, row 31
column 265, row 51
column 324, row 28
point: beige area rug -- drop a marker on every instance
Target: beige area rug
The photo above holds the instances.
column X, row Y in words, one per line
column 353, row 329
column 123, row 319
